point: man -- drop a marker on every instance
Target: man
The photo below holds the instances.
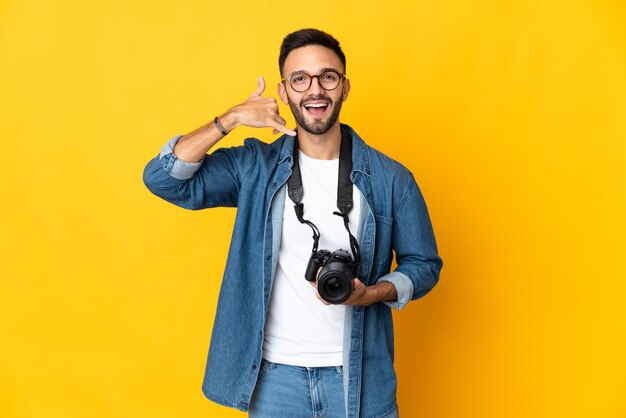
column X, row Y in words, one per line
column 279, row 348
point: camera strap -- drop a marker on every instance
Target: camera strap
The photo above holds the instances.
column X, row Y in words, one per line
column 344, row 191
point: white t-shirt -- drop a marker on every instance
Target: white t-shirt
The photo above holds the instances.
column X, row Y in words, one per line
column 300, row 330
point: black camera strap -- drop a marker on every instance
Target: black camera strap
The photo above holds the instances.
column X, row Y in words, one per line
column 344, row 192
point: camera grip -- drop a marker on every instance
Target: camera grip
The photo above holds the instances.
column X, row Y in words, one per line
column 312, row 268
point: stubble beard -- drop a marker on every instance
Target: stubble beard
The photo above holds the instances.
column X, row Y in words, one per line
column 316, row 126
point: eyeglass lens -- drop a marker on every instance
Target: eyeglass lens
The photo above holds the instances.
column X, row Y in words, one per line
column 329, row 80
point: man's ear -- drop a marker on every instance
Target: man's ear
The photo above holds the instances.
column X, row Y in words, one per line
column 346, row 89
column 282, row 93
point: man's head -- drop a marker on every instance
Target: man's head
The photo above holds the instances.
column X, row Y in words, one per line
column 305, row 55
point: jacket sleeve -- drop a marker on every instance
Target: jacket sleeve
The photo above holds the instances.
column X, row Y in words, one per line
column 213, row 181
column 413, row 241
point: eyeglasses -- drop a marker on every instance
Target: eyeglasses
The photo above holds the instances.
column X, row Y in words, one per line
column 301, row 81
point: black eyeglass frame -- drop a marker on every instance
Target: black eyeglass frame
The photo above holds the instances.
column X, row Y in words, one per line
column 311, row 77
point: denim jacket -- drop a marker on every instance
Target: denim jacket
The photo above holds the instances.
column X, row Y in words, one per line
column 252, row 177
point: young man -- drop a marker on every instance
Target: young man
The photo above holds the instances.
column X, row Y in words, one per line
column 279, row 348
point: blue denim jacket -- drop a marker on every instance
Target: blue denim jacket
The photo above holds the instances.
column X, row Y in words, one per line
column 252, row 177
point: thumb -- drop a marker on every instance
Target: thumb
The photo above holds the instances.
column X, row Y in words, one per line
column 259, row 89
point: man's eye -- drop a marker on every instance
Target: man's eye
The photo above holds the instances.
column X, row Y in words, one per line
column 298, row 79
column 329, row 76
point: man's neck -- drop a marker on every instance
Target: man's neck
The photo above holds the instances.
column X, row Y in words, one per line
column 321, row 147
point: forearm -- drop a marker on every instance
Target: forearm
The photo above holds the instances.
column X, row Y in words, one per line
column 194, row 145
column 366, row 295
column 381, row 292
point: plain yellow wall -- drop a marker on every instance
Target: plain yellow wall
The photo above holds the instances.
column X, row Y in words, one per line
column 511, row 115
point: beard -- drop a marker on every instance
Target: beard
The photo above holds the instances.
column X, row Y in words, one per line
column 316, row 126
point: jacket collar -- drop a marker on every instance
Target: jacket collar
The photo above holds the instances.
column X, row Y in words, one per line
column 360, row 151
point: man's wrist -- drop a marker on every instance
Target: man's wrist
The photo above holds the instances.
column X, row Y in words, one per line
column 229, row 120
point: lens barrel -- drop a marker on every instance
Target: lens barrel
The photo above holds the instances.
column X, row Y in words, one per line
column 334, row 283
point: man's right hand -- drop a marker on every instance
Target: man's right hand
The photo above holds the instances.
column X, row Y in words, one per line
column 260, row 112
column 257, row 112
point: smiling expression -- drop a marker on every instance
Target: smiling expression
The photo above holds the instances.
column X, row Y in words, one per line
column 315, row 110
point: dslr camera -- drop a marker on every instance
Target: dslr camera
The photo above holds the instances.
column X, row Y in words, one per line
column 334, row 283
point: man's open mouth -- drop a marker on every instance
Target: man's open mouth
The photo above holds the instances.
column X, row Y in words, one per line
column 317, row 109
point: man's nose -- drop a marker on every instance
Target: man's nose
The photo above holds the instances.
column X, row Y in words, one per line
column 315, row 87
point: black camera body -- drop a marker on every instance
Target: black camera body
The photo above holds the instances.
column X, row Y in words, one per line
column 334, row 282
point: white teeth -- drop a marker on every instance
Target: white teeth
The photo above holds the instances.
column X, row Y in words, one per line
column 315, row 105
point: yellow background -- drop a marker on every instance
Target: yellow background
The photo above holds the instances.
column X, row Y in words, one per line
column 511, row 115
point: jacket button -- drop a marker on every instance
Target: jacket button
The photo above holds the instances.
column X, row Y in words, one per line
column 254, row 366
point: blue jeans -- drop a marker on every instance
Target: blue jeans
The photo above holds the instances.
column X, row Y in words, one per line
column 292, row 391
column 299, row 392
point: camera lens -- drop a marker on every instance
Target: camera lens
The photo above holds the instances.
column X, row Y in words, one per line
column 334, row 285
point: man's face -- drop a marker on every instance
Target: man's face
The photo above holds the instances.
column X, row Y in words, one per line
column 314, row 59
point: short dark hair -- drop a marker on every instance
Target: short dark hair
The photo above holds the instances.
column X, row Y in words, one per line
column 304, row 37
